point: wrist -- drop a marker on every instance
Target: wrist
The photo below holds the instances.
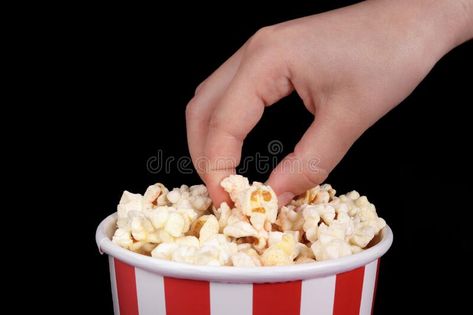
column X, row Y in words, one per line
column 467, row 33
column 432, row 27
column 446, row 24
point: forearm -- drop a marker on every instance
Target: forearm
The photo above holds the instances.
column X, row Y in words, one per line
column 428, row 29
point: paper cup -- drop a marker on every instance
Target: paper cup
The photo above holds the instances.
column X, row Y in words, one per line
column 145, row 285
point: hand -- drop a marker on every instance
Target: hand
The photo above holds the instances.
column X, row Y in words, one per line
column 350, row 67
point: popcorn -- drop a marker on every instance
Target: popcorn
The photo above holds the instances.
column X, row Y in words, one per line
column 123, row 238
column 159, row 216
column 187, row 241
column 199, row 197
column 222, row 214
column 189, row 216
column 165, row 236
column 181, row 225
column 258, row 202
column 216, row 251
column 164, row 250
column 331, row 249
column 353, row 195
column 242, row 259
column 128, row 202
column 142, row 230
column 235, row 185
column 355, row 249
column 274, row 238
column 260, row 242
column 249, row 258
column 240, row 229
column 304, row 251
column 218, row 248
column 326, row 212
column 205, row 227
column 185, row 254
column 143, row 221
column 311, row 222
column 142, row 248
column 196, row 197
column 281, row 253
column 254, row 255
column 175, row 224
column 155, row 196
column 363, row 234
column 336, row 230
column 316, row 195
column 289, row 219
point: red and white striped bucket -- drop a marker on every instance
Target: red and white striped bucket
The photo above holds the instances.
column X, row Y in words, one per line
column 144, row 285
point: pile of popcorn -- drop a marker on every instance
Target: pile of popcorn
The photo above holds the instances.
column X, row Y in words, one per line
column 182, row 225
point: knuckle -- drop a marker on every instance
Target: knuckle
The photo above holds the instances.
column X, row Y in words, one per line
column 200, row 87
column 192, row 110
column 221, row 126
column 264, row 33
column 263, row 39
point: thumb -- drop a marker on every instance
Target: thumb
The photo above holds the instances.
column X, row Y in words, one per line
column 320, row 149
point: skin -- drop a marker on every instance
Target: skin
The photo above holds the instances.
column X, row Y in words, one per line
column 349, row 66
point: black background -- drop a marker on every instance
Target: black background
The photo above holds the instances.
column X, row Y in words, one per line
column 136, row 68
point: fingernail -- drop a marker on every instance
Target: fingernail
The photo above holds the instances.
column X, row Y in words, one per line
column 284, row 198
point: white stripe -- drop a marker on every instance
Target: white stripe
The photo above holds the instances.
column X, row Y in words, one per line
column 317, row 296
column 150, row 292
column 113, row 283
column 369, row 282
column 231, row 299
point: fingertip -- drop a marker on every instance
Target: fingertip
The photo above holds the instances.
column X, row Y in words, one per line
column 218, row 195
column 290, row 179
column 285, row 198
column 212, row 180
column 276, row 182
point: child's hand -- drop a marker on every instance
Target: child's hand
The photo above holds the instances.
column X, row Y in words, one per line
column 350, row 67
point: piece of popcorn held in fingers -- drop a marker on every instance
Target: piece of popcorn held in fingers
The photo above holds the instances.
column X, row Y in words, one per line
column 258, row 202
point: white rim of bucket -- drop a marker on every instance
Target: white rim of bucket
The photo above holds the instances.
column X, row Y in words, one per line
column 238, row 274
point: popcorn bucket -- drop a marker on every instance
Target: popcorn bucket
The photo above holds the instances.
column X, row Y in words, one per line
column 144, row 285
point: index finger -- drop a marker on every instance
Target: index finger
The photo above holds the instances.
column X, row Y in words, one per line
column 239, row 110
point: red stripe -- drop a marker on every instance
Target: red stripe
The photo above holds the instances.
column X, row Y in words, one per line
column 348, row 288
column 375, row 286
column 186, row 297
column 126, row 288
column 277, row 298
